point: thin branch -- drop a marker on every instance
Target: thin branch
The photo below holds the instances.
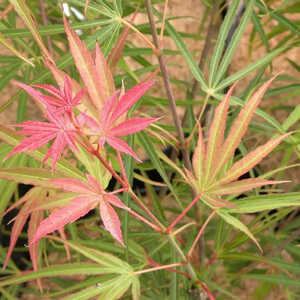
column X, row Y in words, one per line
column 199, row 235
column 145, row 208
column 142, row 36
column 168, row 88
column 156, row 228
column 45, row 23
column 183, row 213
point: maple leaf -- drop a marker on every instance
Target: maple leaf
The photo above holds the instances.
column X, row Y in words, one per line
column 209, row 179
column 61, row 100
column 89, row 195
column 108, row 129
column 60, row 129
column 209, row 158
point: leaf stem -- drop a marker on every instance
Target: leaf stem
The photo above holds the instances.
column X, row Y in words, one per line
column 183, row 213
column 199, row 235
column 156, row 228
column 145, row 208
column 142, row 36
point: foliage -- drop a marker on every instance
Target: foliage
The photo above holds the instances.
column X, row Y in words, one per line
column 189, row 232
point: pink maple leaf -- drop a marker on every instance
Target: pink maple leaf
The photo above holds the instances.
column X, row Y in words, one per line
column 108, row 130
column 60, row 129
column 61, row 100
column 89, row 195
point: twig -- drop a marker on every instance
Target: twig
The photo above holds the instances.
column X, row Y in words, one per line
column 45, row 23
column 183, row 213
column 168, row 88
column 143, row 37
column 199, row 235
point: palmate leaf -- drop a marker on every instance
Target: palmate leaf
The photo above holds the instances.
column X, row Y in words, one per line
column 59, row 75
column 88, row 195
column 113, row 111
column 208, row 179
column 239, row 128
column 30, row 198
column 110, row 264
column 63, row 167
column 60, row 129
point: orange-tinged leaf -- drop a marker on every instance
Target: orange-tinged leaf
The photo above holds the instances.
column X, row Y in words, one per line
column 239, row 128
column 104, row 75
column 85, row 66
column 35, row 219
column 192, row 181
column 250, row 160
column 199, row 156
column 31, row 196
column 241, row 186
column 216, row 135
column 19, row 202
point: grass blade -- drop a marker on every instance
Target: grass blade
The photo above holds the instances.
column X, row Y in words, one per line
column 220, row 44
column 226, row 59
column 184, row 51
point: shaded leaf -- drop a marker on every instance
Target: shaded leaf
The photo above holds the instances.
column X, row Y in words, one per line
column 239, row 225
column 20, row 220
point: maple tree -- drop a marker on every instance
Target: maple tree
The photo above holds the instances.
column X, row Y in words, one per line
column 77, row 167
column 66, row 128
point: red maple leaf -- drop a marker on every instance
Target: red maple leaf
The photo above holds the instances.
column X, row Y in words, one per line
column 108, row 130
column 61, row 100
column 60, row 129
column 88, row 196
